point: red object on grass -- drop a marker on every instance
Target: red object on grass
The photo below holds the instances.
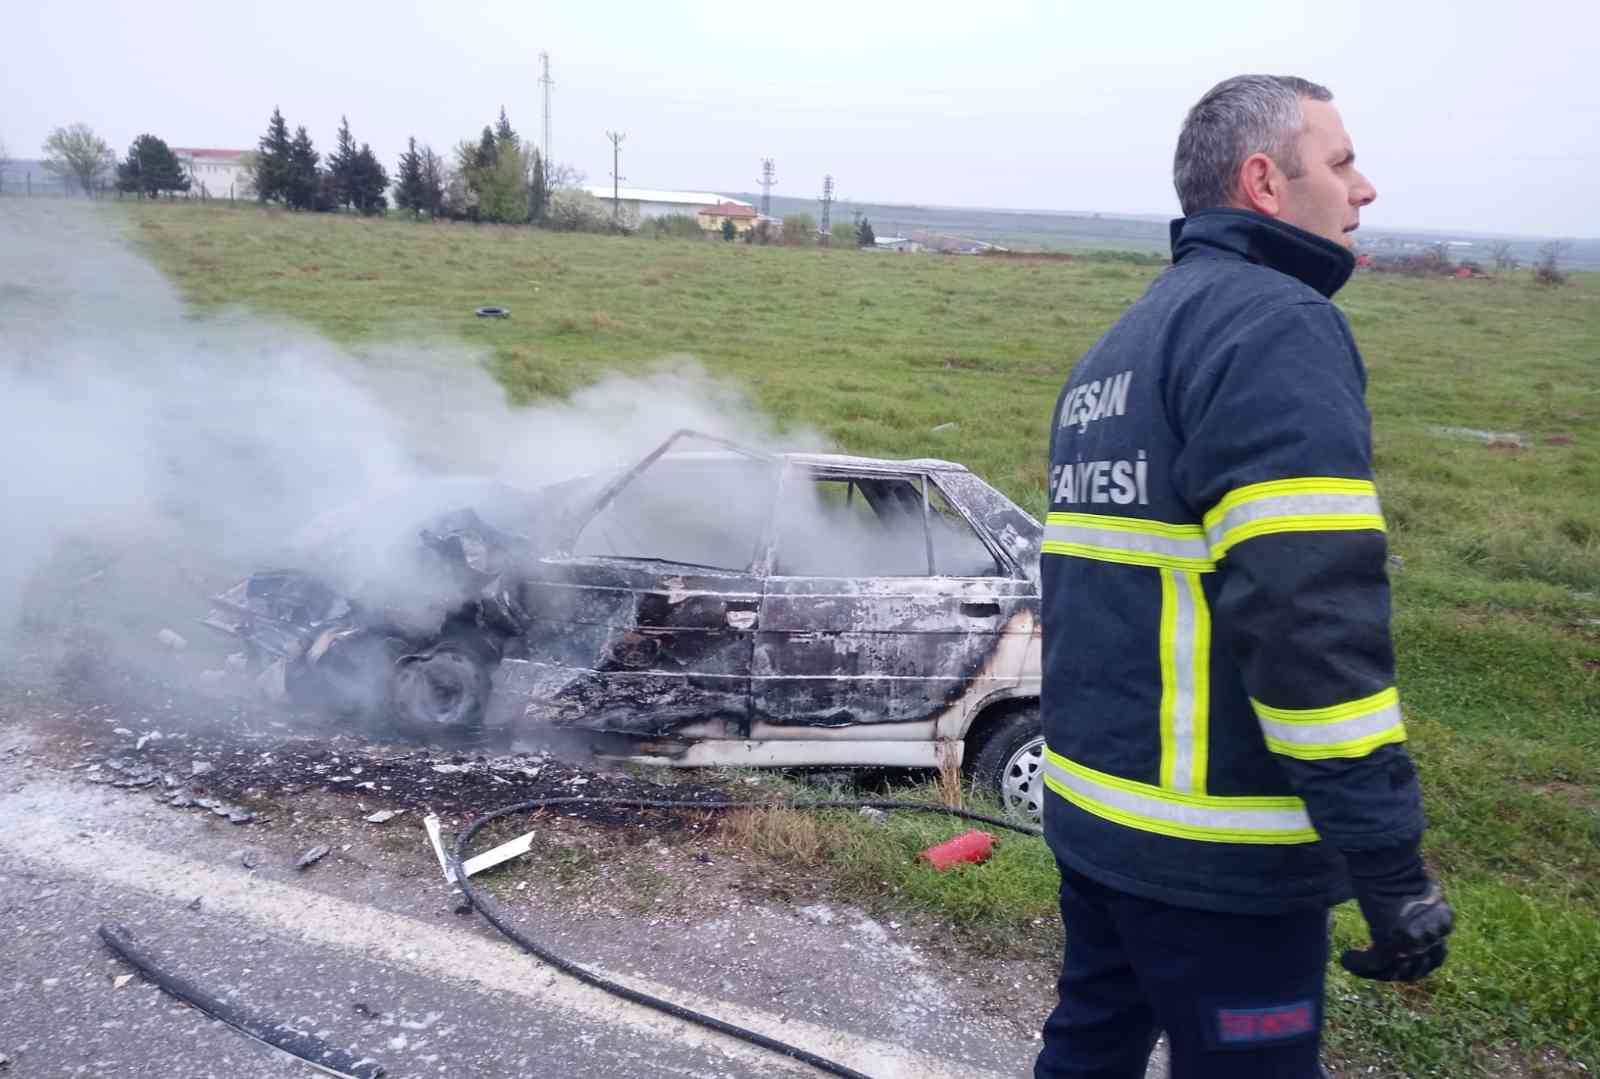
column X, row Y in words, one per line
column 973, row 846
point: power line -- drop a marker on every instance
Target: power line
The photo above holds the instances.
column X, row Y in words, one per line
column 616, row 138
column 827, row 204
column 768, row 180
column 546, row 82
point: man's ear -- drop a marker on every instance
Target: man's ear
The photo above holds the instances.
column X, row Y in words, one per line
column 1261, row 185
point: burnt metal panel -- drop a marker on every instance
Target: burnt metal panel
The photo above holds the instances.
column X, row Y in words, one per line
column 838, row 651
column 630, row 647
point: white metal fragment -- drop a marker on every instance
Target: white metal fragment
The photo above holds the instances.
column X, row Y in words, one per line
column 431, row 824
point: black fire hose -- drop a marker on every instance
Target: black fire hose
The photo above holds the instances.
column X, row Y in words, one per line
column 487, row 908
column 308, row 1047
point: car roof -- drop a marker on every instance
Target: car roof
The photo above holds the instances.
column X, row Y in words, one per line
column 842, row 461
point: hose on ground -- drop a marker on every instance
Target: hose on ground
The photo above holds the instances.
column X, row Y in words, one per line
column 308, row 1047
column 488, row 909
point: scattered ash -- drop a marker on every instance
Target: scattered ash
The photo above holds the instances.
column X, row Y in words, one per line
column 247, row 762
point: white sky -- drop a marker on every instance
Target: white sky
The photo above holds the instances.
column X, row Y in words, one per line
column 1467, row 115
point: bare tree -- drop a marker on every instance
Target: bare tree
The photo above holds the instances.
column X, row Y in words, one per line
column 563, row 175
column 1503, row 258
column 77, row 151
column 1547, row 271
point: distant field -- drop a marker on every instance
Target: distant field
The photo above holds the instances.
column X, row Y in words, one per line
column 1497, row 596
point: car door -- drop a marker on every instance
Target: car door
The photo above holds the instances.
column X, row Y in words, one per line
column 647, row 627
column 882, row 607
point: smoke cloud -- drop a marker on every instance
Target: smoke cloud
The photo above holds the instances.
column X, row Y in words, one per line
column 154, row 452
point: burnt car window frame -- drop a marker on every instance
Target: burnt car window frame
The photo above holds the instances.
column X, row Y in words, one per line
column 1007, row 568
column 578, row 521
column 754, row 532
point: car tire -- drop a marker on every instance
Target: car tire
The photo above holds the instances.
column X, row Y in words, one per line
column 1008, row 761
column 441, row 692
column 350, row 680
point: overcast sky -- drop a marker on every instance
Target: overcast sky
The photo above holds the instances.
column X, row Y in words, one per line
column 1466, row 115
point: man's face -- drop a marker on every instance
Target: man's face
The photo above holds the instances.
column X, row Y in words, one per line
column 1326, row 198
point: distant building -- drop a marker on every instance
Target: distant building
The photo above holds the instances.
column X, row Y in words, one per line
column 742, row 214
column 640, row 204
column 895, row 243
column 217, row 174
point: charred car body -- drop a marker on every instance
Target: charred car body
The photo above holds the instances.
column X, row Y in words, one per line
column 706, row 606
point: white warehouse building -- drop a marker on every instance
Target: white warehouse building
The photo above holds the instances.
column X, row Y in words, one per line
column 217, row 174
column 641, row 203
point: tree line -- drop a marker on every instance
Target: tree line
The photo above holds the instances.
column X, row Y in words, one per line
column 496, row 177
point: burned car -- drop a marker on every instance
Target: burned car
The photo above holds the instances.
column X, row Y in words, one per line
column 710, row 605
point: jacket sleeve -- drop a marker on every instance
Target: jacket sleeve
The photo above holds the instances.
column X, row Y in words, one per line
column 1277, row 461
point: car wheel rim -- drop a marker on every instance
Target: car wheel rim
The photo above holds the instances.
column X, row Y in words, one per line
column 1021, row 788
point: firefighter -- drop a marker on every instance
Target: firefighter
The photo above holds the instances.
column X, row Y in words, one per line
column 1225, row 754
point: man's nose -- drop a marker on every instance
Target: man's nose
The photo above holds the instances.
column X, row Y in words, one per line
column 1362, row 192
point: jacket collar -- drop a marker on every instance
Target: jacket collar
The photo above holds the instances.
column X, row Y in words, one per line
column 1228, row 233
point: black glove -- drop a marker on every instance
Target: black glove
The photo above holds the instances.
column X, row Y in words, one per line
column 1405, row 912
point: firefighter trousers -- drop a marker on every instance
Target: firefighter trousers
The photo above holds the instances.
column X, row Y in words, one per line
column 1239, row 995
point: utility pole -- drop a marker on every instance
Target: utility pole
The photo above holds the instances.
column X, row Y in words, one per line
column 827, row 204
column 546, row 83
column 616, row 138
column 767, row 182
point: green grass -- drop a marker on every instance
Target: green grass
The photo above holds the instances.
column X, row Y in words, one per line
column 1497, row 604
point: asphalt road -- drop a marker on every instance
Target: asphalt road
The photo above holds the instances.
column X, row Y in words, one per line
column 382, row 966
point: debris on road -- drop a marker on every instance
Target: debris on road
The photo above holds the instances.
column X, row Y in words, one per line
column 382, row 816
column 503, row 853
column 312, row 856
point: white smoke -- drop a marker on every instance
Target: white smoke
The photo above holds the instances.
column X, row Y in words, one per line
column 152, row 451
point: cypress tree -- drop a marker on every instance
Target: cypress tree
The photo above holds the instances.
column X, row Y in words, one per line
column 303, row 181
column 538, row 189
column 272, row 163
column 503, row 134
column 433, row 174
column 342, row 163
column 408, row 188
column 486, row 155
column 368, row 182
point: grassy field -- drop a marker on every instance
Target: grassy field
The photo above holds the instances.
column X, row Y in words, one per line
column 1497, row 601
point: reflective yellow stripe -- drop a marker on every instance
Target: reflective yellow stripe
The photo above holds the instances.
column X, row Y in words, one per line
column 1208, row 818
column 1351, row 729
column 1127, row 541
column 1310, row 504
column 1185, row 681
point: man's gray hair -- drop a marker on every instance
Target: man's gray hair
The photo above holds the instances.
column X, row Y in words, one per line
column 1244, row 115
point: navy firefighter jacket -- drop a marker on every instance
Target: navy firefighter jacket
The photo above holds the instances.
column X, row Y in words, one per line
column 1219, row 703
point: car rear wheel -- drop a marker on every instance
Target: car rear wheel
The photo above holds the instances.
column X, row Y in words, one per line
column 1008, row 760
column 441, row 691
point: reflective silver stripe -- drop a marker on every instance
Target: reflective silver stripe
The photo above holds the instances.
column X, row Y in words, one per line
column 1189, row 816
column 1293, row 505
column 1184, row 707
column 1336, row 732
column 1194, row 549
